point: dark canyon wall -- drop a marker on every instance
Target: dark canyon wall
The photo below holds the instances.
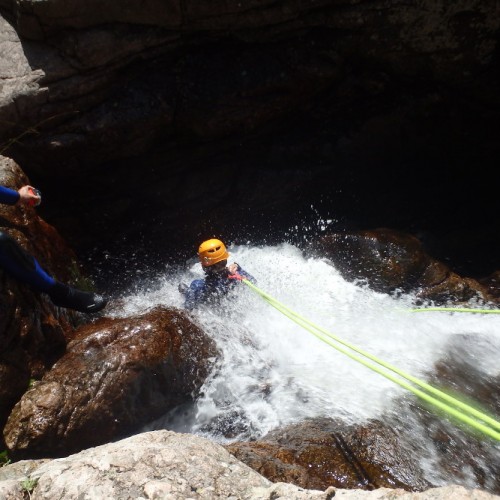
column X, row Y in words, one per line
column 155, row 125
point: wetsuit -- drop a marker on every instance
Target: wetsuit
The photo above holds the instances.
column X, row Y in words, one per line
column 15, row 260
column 212, row 288
column 8, row 196
column 25, row 268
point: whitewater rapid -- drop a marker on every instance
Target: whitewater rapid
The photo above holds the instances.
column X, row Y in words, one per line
column 273, row 372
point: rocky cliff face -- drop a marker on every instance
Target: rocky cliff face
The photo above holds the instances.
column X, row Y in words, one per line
column 152, row 126
column 178, row 117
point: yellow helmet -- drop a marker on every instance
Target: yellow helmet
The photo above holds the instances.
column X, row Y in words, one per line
column 211, row 252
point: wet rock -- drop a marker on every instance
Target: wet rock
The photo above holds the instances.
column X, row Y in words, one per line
column 116, row 375
column 462, row 451
column 318, row 453
column 393, row 261
column 33, row 331
column 164, row 464
column 386, row 259
column 492, row 282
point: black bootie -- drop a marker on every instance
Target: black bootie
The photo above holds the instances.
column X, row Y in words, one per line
column 65, row 296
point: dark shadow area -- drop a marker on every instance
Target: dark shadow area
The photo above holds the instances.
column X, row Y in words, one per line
column 371, row 148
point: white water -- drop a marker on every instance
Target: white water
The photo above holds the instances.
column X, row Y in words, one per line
column 275, row 373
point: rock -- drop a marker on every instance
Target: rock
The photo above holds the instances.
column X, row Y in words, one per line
column 492, row 282
column 33, row 331
column 317, row 94
column 319, row 453
column 116, row 375
column 393, row 261
column 158, row 464
column 163, row 464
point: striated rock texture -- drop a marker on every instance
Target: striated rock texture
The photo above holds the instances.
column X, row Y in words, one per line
column 79, row 53
column 163, row 464
column 115, row 376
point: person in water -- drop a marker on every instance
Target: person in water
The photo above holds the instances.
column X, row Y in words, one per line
column 220, row 278
column 25, row 268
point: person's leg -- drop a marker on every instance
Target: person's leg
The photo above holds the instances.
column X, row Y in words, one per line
column 25, row 268
column 65, row 296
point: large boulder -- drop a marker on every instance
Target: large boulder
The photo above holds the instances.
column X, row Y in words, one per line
column 392, row 261
column 321, row 452
column 116, row 375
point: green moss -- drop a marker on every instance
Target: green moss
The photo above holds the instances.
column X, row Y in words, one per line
column 29, row 484
column 4, row 458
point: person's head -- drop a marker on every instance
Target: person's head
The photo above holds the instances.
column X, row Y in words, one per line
column 213, row 255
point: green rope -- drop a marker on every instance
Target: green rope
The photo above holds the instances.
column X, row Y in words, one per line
column 327, row 337
column 457, row 309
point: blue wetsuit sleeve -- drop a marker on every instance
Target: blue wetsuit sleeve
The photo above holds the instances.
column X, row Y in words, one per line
column 23, row 266
column 8, row 196
column 194, row 294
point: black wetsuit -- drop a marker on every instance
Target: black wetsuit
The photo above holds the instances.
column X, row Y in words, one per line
column 25, row 268
column 15, row 260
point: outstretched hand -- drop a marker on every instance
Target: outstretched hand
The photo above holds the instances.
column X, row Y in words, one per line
column 233, row 268
column 233, row 271
column 28, row 195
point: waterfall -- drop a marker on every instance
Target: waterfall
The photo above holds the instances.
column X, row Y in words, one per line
column 273, row 372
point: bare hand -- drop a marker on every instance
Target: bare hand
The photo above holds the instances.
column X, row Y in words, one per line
column 28, row 196
column 233, row 268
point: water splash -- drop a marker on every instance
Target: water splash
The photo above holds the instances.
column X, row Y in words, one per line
column 273, row 372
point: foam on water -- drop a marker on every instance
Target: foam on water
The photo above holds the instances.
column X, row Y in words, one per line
column 273, row 372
